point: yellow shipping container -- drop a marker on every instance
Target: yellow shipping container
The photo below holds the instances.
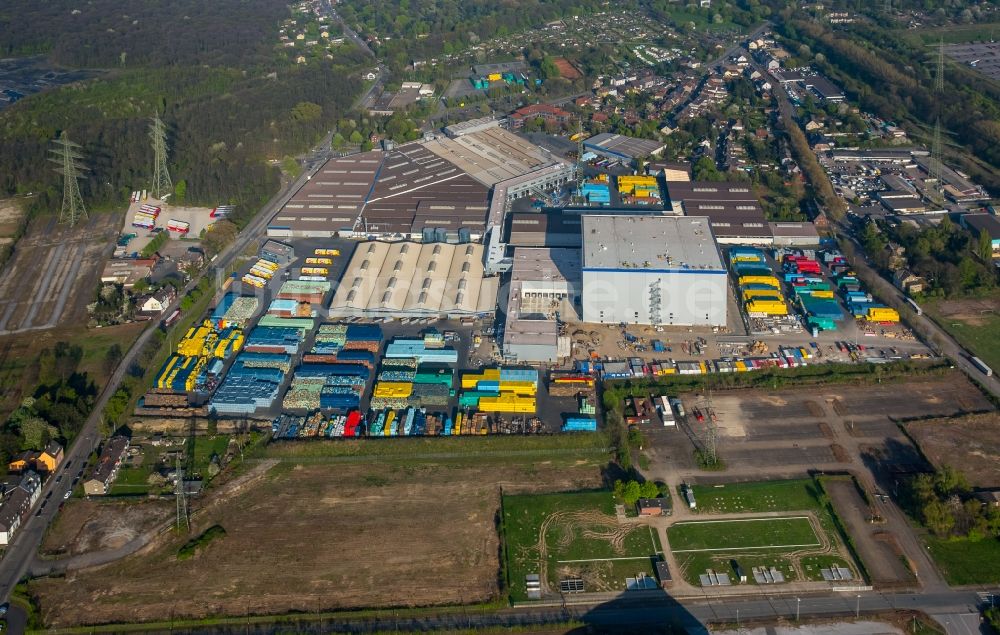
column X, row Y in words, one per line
column 507, row 403
column 828, row 295
column 744, row 258
column 393, row 389
column 882, row 314
column 767, row 307
column 469, row 380
column 494, row 77
column 750, row 294
column 768, row 280
column 519, row 387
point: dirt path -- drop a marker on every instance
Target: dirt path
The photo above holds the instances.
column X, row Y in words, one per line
column 615, row 535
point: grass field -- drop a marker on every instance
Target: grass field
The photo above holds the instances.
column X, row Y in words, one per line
column 761, row 496
column 407, row 448
column 314, row 536
column 767, row 542
column 750, row 534
column 966, row 561
column 580, row 538
column 954, row 33
column 974, row 323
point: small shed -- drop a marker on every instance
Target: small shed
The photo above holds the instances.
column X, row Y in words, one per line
column 741, row 576
column 653, row 507
column 663, row 573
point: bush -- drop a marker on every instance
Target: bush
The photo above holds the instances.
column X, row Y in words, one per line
column 189, row 548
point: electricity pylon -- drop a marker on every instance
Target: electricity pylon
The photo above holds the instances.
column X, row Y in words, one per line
column 66, row 155
column 161, row 176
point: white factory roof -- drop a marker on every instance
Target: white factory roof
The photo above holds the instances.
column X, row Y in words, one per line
column 409, row 277
column 539, row 269
column 652, row 243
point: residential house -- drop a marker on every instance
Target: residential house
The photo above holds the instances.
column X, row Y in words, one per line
column 549, row 114
column 157, row 302
column 106, row 470
column 49, row 458
column 46, row 460
column 908, row 282
column 19, row 496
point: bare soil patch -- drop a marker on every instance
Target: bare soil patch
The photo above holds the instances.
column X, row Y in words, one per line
column 878, row 550
column 968, row 443
column 92, row 525
column 972, row 311
column 320, row 536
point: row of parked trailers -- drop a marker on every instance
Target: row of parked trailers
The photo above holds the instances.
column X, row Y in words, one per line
column 760, row 291
column 785, row 357
column 145, row 217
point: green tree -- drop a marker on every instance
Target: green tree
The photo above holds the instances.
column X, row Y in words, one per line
column 632, row 493
column 356, row 137
column 306, row 111
column 649, row 489
column 938, row 518
column 180, row 191
column 985, row 249
column 112, row 357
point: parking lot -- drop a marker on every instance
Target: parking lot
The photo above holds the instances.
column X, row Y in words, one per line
column 794, row 432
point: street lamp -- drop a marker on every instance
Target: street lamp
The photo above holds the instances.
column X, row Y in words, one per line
column 857, row 607
column 798, row 601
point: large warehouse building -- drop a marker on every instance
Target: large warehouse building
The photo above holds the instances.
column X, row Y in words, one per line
column 409, row 279
column 616, row 146
column 659, row 270
column 544, row 287
column 734, row 212
column 437, row 189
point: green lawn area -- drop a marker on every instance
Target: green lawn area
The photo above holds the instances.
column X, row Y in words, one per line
column 204, row 448
column 812, row 565
column 131, row 480
column 761, row 496
column 583, row 529
column 981, row 340
column 967, row 562
column 741, row 535
column 953, row 33
column 696, row 563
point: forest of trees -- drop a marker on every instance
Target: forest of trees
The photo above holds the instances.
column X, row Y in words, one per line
column 109, row 33
column 209, row 69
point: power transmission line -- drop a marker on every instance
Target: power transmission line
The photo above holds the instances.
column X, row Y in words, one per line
column 936, row 159
column 66, row 155
column 180, row 495
column 161, row 176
